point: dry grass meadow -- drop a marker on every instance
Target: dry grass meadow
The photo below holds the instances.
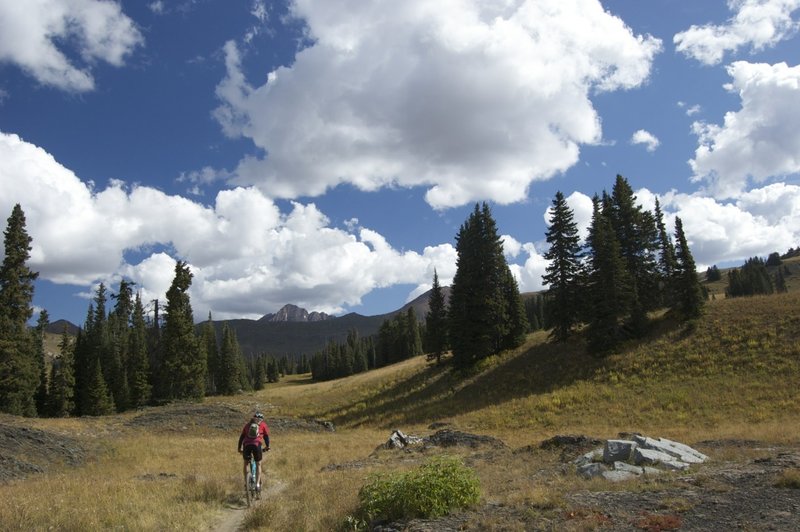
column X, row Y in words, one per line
column 732, row 375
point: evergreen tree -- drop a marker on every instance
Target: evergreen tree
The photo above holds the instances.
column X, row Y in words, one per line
column 413, row 339
column 42, row 401
column 272, row 371
column 259, row 374
column 208, row 336
column 228, row 381
column 516, row 322
column 62, row 382
column 184, row 367
column 666, row 257
column 138, row 361
column 479, row 305
column 563, row 270
column 119, row 325
column 774, row 259
column 780, row 282
column 84, row 364
column 610, row 292
column 99, row 400
column 19, row 367
column 637, row 235
column 689, row 298
column 436, row 322
column 713, row 274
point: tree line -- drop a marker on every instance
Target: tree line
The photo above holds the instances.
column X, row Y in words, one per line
column 628, row 266
column 120, row 359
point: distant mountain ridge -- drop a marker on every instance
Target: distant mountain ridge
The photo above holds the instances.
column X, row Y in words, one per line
column 293, row 313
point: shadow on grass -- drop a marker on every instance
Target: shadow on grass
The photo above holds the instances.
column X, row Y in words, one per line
column 441, row 391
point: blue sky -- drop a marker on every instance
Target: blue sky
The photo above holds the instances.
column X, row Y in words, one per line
column 325, row 152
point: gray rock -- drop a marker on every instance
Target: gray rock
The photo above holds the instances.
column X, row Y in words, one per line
column 652, row 457
column 588, row 458
column 679, row 451
column 624, row 466
column 399, row 440
column 618, row 476
column 592, row 470
column 618, row 451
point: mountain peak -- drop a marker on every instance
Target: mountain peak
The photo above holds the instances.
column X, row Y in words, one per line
column 293, row 313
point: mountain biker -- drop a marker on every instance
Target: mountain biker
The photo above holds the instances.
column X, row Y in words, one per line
column 252, row 444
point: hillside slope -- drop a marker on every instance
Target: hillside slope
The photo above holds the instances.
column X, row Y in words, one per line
column 740, row 363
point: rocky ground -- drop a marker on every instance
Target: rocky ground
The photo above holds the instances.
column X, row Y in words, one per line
column 740, row 491
column 739, row 488
column 26, row 450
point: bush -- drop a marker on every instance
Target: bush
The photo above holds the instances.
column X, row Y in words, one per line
column 438, row 486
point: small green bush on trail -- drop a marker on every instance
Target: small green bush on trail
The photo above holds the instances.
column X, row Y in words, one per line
column 441, row 484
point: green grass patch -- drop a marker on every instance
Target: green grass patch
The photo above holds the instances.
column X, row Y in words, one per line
column 440, row 485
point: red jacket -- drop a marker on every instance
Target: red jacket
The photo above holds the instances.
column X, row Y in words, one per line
column 263, row 435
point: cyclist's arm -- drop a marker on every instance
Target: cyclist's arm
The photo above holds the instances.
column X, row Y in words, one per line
column 239, row 446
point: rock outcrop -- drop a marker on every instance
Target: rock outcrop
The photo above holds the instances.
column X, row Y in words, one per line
column 626, row 459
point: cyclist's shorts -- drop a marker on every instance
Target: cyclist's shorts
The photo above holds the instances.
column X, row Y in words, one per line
column 255, row 450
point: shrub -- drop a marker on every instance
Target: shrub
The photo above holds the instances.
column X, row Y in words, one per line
column 441, row 484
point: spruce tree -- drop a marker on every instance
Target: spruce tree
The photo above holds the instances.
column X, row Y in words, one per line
column 610, row 292
column 208, row 335
column 689, row 296
column 436, row 322
column 42, row 402
column 62, row 383
column 19, row 368
column 481, row 302
column 138, row 358
column 228, row 381
column 184, row 363
column 98, row 400
column 563, row 270
column 634, row 231
column 413, row 338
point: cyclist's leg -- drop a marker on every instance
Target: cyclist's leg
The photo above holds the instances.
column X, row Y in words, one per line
column 246, row 462
column 257, row 454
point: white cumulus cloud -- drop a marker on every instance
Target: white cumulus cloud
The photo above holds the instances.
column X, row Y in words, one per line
column 756, row 23
column 474, row 100
column 248, row 258
column 43, row 36
column 649, row 140
column 759, row 141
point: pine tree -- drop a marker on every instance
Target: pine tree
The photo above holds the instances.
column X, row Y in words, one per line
column 516, row 322
column 436, row 321
column 138, row 358
column 564, row 267
column 259, row 374
column 635, row 233
column 780, row 282
column 610, row 293
column 99, row 400
column 42, row 401
column 208, row 335
column 480, row 306
column 228, row 381
column 413, row 339
column 689, row 296
column 184, row 367
column 19, row 368
column 62, row 382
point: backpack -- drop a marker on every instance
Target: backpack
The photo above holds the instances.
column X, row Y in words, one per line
column 252, row 430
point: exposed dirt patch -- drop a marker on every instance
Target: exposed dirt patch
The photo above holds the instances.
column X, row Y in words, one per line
column 740, row 493
column 25, row 451
column 222, row 417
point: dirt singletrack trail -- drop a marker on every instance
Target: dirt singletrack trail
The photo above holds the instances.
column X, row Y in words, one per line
column 233, row 517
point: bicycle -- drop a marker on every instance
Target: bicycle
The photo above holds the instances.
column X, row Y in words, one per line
column 251, row 489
